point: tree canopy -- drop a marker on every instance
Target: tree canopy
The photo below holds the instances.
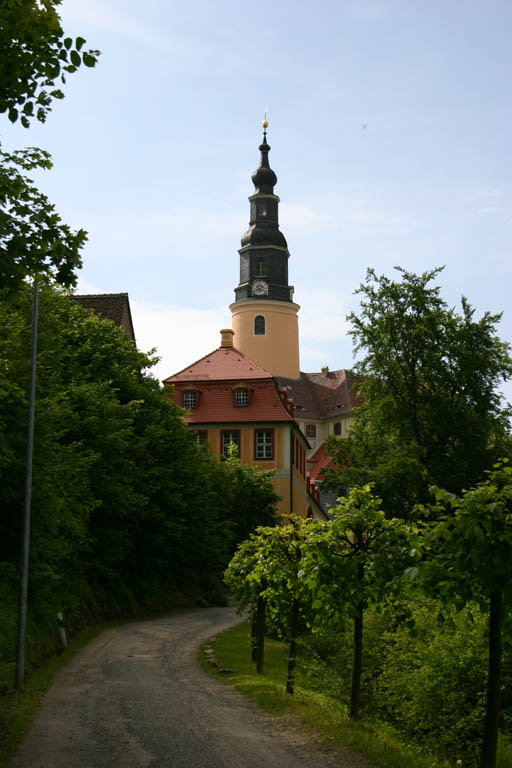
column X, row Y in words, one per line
column 35, row 59
column 432, row 411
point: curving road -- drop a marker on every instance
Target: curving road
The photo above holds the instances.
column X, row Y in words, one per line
column 136, row 698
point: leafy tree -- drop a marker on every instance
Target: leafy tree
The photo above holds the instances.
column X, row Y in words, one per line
column 432, row 411
column 35, row 59
column 352, row 562
column 125, row 507
column 471, row 561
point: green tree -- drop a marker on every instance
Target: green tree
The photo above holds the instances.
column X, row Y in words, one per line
column 355, row 561
column 268, row 567
column 431, row 412
column 249, row 496
column 35, row 59
column 470, row 560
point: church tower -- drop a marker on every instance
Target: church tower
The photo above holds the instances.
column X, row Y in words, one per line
column 265, row 321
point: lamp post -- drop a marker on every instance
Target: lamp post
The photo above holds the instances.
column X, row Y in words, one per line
column 22, row 615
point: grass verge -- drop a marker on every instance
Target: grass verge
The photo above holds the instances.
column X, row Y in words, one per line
column 320, row 715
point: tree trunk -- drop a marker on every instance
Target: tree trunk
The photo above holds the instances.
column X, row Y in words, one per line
column 254, row 634
column 492, row 711
column 292, row 659
column 260, row 642
column 357, row 665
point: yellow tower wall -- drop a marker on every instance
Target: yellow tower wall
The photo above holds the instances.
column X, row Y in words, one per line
column 278, row 350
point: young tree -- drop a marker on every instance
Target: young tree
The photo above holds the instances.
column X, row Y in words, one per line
column 353, row 562
column 268, row 567
column 470, row 560
column 432, row 411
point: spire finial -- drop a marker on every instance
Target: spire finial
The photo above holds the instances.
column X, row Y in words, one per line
column 265, row 125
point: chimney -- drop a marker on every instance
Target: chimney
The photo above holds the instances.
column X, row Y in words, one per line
column 226, row 336
column 325, row 370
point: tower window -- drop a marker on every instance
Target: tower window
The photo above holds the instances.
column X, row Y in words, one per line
column 259, row 325
column 260, row 267
column 262, row 208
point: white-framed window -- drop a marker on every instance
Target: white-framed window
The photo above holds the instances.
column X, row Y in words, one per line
column 241, row 398
column 310, row 430
column 201, row 437
column 264, row 443
column 259, row 325
column 189, row 399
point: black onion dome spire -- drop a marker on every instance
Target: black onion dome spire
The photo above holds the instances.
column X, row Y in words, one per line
column 264, row 252
column 264, row 178
column 264, row 226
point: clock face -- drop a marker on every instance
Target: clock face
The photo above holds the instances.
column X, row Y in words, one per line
column 259, row 288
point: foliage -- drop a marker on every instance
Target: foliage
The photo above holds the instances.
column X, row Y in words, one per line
column 125, row 507
column 432, row 411
column 35, row 58
column 250, row 494
column 34, row 242
column 470, row 559
column 428, row 687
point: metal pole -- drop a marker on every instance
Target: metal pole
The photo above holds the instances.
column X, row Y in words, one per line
column 22, row 618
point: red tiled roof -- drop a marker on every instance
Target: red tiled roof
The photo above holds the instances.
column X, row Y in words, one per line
column 223, row 364
column 320, row 396
column 321, row 460
column 216, row 403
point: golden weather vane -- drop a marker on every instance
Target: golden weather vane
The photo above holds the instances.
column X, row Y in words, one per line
column 265, row 121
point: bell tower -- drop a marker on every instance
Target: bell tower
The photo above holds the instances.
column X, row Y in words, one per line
column 265, row 321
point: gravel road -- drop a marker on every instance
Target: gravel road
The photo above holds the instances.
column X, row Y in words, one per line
column 136, row 698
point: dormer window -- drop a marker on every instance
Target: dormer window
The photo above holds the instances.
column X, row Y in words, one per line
column 191, row 398
column 242, row 395
column 241, row 398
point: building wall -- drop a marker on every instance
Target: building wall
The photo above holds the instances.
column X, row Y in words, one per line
column 282, row 462
column 325, row 428
column 278, row 350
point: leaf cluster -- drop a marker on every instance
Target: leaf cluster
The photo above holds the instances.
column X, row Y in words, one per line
column 35, row 58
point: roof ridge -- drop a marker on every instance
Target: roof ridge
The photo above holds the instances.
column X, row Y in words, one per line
column 233, row 350
column 96, row 295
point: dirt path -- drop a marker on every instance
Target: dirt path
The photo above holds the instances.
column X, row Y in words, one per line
column 135, row 697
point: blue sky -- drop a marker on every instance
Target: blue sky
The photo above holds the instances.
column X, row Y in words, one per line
column 390, row 125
